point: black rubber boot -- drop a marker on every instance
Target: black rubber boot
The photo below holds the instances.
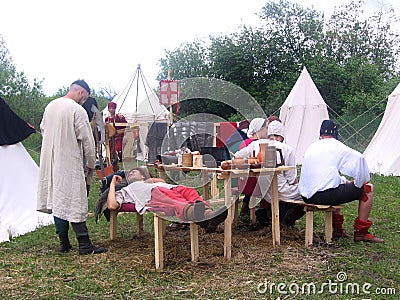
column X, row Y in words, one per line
column 85, row 245
column 198, row 210
column 65, row 245
column 197, row 214
column 245, row 210
column 62, row 227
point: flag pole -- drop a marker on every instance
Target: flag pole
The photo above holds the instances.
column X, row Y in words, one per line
column 171, row 116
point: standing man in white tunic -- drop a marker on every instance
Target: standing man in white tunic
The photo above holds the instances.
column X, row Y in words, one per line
column 67, row 139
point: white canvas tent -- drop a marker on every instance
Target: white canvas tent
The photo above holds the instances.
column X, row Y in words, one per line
column 302, row 114
column 139, row 104
column 18, row 189
column 382, row 153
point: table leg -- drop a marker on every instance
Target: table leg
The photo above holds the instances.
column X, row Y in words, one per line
column 162, row 174
column 276, row 234
column 229, row 218
column 158, row 242
column 194, row 241
column 214, row 186
column 206, row 186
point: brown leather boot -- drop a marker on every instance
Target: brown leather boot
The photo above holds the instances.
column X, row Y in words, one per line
column 361, row 233
column 337, row 224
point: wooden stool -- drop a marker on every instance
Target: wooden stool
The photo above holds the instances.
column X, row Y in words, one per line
column 310, row 209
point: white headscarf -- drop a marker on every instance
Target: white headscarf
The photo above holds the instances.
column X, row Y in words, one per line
column 255, row 125
column 276, row 128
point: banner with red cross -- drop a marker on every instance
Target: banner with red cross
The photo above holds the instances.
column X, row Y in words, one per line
column 169, row 92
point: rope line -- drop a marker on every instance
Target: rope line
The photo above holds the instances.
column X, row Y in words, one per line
column 128, row 88
column 352, row 128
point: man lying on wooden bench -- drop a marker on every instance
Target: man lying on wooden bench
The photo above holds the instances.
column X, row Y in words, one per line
column 153, row 194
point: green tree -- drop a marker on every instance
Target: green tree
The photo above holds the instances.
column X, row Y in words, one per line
column 366, row 52
column 189, row 60
column 292, row 36
column 352, row 57
column 24, row 99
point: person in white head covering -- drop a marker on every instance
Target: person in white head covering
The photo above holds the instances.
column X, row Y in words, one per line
column 287, row 180
column 276, row 131
column 257, row 130
column 256, row 126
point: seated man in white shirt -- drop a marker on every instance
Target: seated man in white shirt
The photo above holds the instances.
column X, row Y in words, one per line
column 321, row 181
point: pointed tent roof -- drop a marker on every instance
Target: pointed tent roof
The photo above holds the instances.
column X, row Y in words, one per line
column 12, row 128
column 302, row 114
column 382, row 153
column 138, row 102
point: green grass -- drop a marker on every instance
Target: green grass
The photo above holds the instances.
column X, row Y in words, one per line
column 31, row 268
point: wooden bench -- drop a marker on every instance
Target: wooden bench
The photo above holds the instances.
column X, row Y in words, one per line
column 310, row 209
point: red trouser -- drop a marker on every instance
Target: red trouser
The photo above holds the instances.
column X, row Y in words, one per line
column 173, row 200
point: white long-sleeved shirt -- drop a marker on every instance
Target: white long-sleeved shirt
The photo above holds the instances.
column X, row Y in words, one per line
column 324, row 163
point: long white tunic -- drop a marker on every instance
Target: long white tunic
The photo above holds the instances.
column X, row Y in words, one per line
column 324, row 162
column 67, row 137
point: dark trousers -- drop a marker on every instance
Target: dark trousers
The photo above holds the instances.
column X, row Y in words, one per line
column 344, row 193
column 62, row 227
